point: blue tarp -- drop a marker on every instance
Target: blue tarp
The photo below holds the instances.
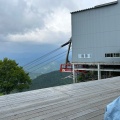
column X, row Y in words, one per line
column 113, row 110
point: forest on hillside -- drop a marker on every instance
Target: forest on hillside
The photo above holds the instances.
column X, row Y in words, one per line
column 55, row 78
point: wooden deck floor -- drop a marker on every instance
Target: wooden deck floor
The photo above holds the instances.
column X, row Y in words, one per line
column 81, row 101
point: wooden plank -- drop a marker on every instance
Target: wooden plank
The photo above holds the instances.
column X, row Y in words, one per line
column 55, row 110
column 75, row 101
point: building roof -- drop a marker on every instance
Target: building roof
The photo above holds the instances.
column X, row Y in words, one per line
column 97, row 6
column 80, row 101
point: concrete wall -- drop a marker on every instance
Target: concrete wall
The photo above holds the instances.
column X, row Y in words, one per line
column 96, row 32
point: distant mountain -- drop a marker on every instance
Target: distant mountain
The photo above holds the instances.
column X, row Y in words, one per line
column 43, row 70
column 34, row 75
column 51, row 79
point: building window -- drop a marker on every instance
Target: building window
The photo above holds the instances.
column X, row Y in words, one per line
column 115, row 55
column 84, row 55
column 89, row 55
column 79, row 55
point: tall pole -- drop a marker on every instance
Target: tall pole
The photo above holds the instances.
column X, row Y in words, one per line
column 67, row 59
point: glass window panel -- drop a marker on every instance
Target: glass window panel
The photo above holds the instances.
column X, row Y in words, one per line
column 108, row 55
column 117, row 55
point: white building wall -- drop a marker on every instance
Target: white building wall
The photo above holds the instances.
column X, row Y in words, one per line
column 96, row 32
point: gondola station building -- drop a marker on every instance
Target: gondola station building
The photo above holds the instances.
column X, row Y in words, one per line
column 96, row 38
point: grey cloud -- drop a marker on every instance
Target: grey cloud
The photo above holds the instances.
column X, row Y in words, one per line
column 2, row 38
column 20, row 16
column 17, row 18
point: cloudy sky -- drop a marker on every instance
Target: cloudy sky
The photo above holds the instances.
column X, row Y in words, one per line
column 31, row 28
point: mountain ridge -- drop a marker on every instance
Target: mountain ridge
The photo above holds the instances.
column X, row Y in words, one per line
column 51, row 79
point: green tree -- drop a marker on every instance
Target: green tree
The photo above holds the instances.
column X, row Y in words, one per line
column 81, row 78
column 12, row 77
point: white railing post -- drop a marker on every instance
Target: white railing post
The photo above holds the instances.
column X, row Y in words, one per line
column 73, row 73
column 99, row 72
